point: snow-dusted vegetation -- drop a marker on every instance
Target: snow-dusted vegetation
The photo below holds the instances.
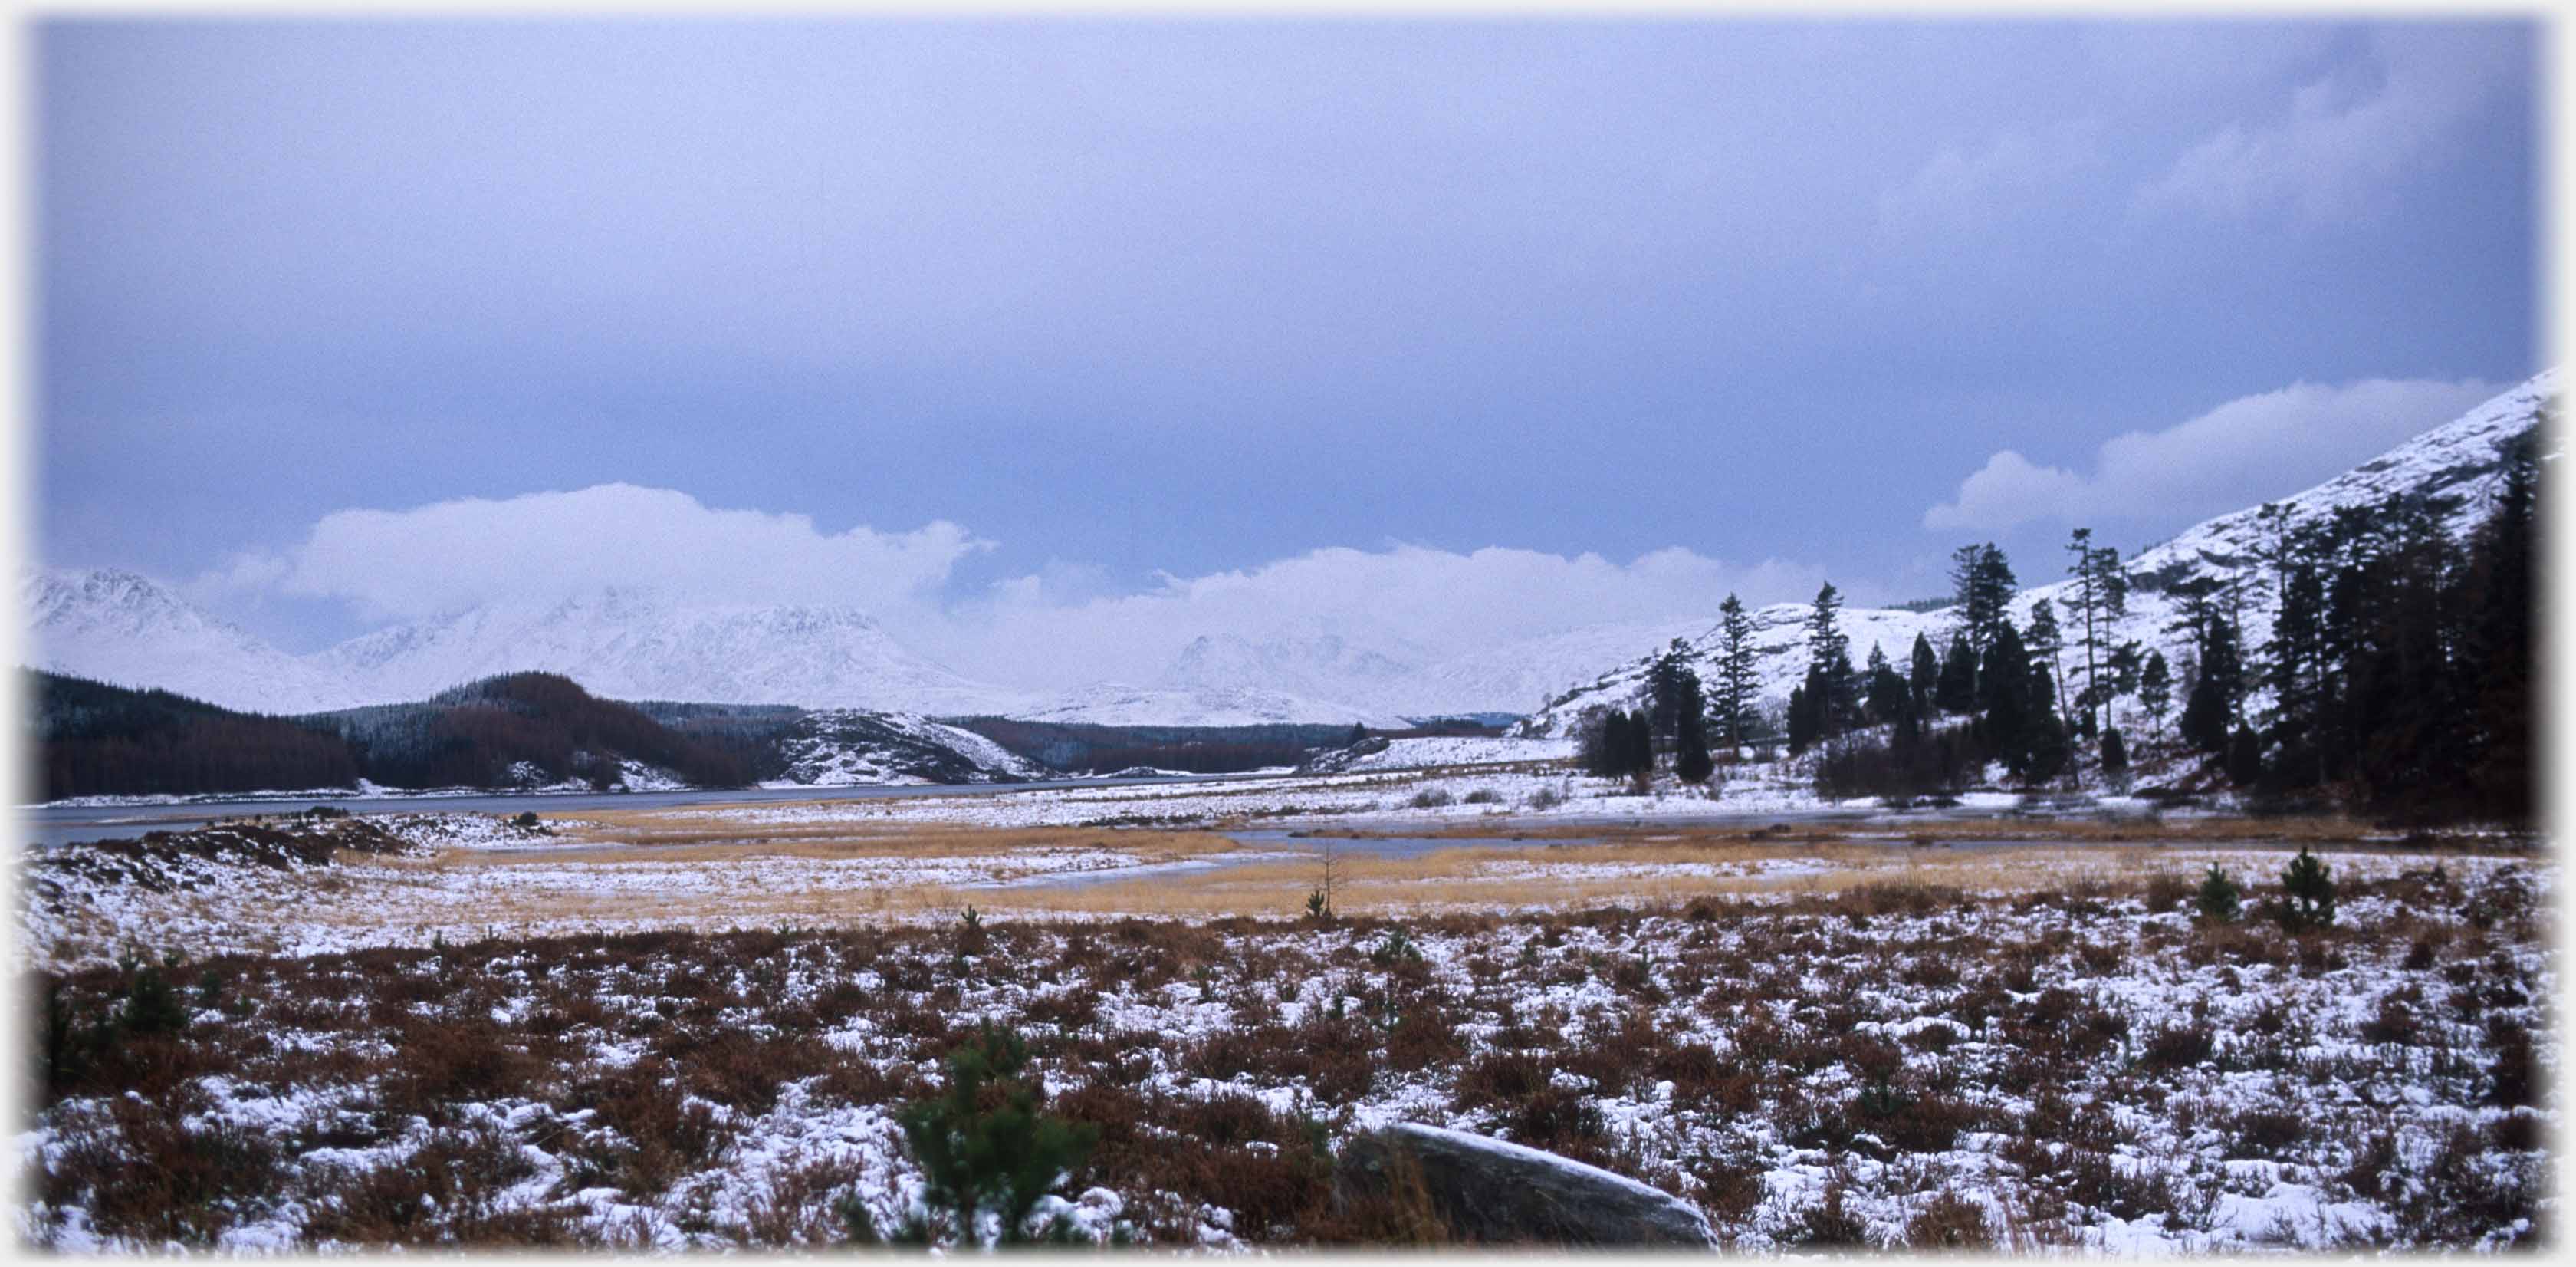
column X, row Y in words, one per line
column 2086, row 1064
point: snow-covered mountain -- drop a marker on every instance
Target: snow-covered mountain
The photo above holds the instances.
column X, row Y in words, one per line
column 618, row 643
column 117, row 627
column 639, row 644
column 1118, row 704
column 2459, row 460
column 1316, row 665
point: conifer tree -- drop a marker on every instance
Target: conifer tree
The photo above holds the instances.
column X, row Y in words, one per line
column 2047, row 647
column 2155, row 687
column 2218, row 897
column 2503, row 599
column 1672, row 691
column 2307, row 894
column 1982, row 583
column 1923, row 676
column 1691, row 762
column 2100, row 596
column 1833, row 686
column 1957, row 690
column 1889, row 698
column 2004, row 717
column 1732, row 701
column 1802, row 715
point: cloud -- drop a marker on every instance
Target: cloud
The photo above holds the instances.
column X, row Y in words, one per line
column 1062, row 625
column 2243, row 452
column 2344, row 137
column 1407, row 600
column 2020, row 168
column 451, row 555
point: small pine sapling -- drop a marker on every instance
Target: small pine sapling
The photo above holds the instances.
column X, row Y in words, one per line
column 2219, row 897
column 981, row 1157
column 2308, row 894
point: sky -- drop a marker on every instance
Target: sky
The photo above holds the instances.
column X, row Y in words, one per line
column 1029, row 334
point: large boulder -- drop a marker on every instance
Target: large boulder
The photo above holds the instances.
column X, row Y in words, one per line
column 1493, row 1191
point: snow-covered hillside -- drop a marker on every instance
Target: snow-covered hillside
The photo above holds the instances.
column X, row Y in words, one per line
column 854, row 748
column 1397, row 678
column 123, row 629
column 2459, row 460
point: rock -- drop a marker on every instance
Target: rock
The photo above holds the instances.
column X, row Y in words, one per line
column 1494, row 1191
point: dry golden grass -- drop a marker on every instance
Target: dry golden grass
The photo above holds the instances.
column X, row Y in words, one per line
column 550, row 889
column 650, row 836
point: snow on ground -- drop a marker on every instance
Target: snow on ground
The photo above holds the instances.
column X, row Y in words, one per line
column 1448, row 750
column 2076, row 1073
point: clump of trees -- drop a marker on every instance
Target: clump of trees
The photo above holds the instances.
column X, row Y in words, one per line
column 2400, row 664
column 2397, row 673
column 1619, row 743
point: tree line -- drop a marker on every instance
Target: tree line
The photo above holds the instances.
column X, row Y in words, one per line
column 95, row 739
column 2397, row 674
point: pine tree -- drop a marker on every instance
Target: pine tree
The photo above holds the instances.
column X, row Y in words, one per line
column 1957, row 690
column 2047, row 645
column 2101, row 595
column 2218, row 897
column 1889, row 698
column 2211, row 709
column 2155, row 687
column 1691, row 762
column 1982, row 584
column 2307, row 894
column 1734, row 697
column 1672, row 691
column 2004, row 718
column 2115, row 752
column 1923, row 676
column 2503, row 596
column 2245, row 757
column 1833, row 685
column 1641, row 743
column 1802, row 714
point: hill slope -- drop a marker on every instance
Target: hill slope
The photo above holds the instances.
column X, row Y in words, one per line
column 2459, row 463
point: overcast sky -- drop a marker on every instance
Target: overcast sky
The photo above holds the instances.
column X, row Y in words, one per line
column 1472, row 329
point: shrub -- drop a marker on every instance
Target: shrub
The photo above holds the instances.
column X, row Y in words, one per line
column 1397, row 947
column 1950, row 1221
column 2308, row 894
column 977, row 1156
column 2166, row 890
column 1483, row 796
column 2179, row 1046
column 2513, row 1078
column 1431, row 798
column 1546, row 798
column 2219, row 897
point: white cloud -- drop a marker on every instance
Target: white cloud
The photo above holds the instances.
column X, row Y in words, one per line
column 451, row 555
column 2019, row 168
column 2237, row 455
column 1063, row 625
column 1405, row 599
column 2342, row 138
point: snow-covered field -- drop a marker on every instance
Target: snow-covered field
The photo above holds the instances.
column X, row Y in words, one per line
column 2056, row 1066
